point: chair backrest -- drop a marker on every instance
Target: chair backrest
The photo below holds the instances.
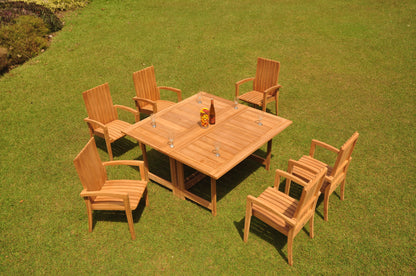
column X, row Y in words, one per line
column 344, row 154
column 310, row 194
column 90, row 169
column 145, row 84
column 99, row 104
column 267, row 74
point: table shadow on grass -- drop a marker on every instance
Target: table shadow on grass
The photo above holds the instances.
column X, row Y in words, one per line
column 159, row 165
column 119, row 147
column 227, row 182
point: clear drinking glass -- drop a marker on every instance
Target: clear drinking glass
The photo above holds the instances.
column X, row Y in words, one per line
column 171, row 137
column 261, row 116
column 199, row 98
column 216, row 150
column 153, row 120
column 235, row 102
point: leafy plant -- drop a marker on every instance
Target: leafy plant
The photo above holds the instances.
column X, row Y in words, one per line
column 60, row 4
column 24, row 39
column 9, row 10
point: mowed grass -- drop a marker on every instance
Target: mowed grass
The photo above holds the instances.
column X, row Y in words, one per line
column 345, row 67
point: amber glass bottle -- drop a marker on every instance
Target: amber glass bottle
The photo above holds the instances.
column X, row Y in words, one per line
column 212, row 113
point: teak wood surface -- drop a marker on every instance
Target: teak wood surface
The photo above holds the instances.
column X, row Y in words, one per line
column 237, row 131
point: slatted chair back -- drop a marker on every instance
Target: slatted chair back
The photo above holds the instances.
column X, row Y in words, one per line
column 145, row 84
column 344, row 155
column 267, row 74
column 99, row 104
column 90, row 168
column 310, row 194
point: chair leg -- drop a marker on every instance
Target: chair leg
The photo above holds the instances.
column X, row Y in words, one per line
column 342, row 189
column 89, row 213
column 110, row 152
column 129, row 217
column 277, row 104
column 130, row 222
column 326, row 204
column 290, row 238
column 311, row 227
column 247, row 220
column 287, row 186
column 146, row 197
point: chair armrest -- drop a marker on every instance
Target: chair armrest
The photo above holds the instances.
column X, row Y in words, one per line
column 238, row 83
column 176, row 90
column 273, row 89
column 288, row 176
column 120, row 195
column 323, row 145
column 131, row 110
column 265, row 205
column 137, row 163
column 103, row 126
column 137, row 100
column 91, row 121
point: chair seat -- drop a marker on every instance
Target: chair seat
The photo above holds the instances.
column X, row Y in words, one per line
column 254, row 97
column 161, row 104
column 134, row 188
column 115, row 129
column 280, row 202
column 313, row 163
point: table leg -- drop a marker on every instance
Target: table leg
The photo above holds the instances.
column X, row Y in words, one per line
column 177, row 176
column 153, row 176
column 144, row 154
column 264, row 160
column 183, row 193
column 213, row 196
column 268, row 155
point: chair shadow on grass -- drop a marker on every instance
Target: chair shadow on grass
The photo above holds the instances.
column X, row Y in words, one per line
column 119, row 147
column 119, row 216
column 268, row 110
column 268, row 233
column 265, row 232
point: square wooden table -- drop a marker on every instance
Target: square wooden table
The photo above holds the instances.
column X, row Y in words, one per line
column 238, row 132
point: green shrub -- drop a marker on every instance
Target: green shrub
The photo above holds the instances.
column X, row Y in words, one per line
column 60, row 4
column 9, row 10
column 24, row 39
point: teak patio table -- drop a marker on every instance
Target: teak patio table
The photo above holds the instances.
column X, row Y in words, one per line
column 238, row 132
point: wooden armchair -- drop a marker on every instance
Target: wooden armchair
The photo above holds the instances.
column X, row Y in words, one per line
column 102, row 117
column 265, row 86
column 147, row 97
column 336, row 174
column 99, row 193
column 284, row 213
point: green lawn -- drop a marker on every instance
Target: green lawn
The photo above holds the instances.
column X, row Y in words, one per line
column 345, row 66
